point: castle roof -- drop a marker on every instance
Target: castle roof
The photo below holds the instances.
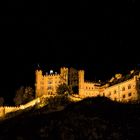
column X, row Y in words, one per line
column 121, row 79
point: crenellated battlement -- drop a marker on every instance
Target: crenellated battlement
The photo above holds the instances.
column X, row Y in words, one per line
column 64, row 68
column 51, row 75
column 11, row 107
column 89, row 82
column 7, row 109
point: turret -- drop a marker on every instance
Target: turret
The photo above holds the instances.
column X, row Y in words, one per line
column 81, row 81
column 38, row 78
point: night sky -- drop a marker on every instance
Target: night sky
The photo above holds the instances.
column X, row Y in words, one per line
column 100, row 37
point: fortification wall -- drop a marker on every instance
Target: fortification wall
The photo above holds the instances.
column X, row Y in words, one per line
column 2, row 111
column 31, row 103
column 124, row 91
column 7, row 109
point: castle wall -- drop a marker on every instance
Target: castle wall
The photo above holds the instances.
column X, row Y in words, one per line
column 89, row 90
column 124, row 91
column 30, row 104
column 8, row 109
column 2, row 111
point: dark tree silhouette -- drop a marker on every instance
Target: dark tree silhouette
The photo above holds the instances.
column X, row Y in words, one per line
column 63, row 89
column 24, row 95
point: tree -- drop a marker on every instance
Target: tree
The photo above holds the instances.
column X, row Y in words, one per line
column 63, row 89
column 23, row 95
column 1, row 101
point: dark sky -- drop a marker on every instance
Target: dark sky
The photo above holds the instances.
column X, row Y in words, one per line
column 100, row 37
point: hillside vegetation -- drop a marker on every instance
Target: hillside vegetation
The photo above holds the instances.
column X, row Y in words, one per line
column 92, row 118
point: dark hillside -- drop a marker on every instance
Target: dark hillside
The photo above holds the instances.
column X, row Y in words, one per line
column 93, row 119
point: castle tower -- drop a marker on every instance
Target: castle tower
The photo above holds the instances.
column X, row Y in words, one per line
column 38, row 80
column 81, row 82
column 64, row 75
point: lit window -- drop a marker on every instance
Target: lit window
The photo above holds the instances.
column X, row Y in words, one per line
column 129, row 94
column 129, row 86
column 123, row 89
column 49, row 82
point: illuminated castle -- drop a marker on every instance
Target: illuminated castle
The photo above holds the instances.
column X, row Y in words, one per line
column 119, row 88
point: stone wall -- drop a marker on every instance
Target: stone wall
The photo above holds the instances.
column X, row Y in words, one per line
column 8, row 109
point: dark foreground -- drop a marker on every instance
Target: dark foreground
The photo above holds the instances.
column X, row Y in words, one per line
column 91, row 119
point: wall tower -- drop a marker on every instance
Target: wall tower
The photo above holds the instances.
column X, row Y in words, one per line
column 81, row 82
column 38, row 82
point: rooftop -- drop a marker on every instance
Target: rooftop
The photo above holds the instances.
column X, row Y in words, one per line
column 118, row 78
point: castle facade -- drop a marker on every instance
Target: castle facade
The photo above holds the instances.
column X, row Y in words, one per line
column 118, row 88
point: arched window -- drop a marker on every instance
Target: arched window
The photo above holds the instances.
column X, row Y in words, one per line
column 129, row 94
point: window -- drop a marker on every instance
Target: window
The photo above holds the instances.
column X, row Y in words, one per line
column 115, row 91
column 123, row 89
column 123, row 96
column 129, row 94
column 49, row 82
column 49, row 88
column 129, row 86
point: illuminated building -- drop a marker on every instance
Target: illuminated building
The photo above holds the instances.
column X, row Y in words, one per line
column 118, row 88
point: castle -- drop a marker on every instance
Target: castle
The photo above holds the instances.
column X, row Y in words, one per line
column 118, row 88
